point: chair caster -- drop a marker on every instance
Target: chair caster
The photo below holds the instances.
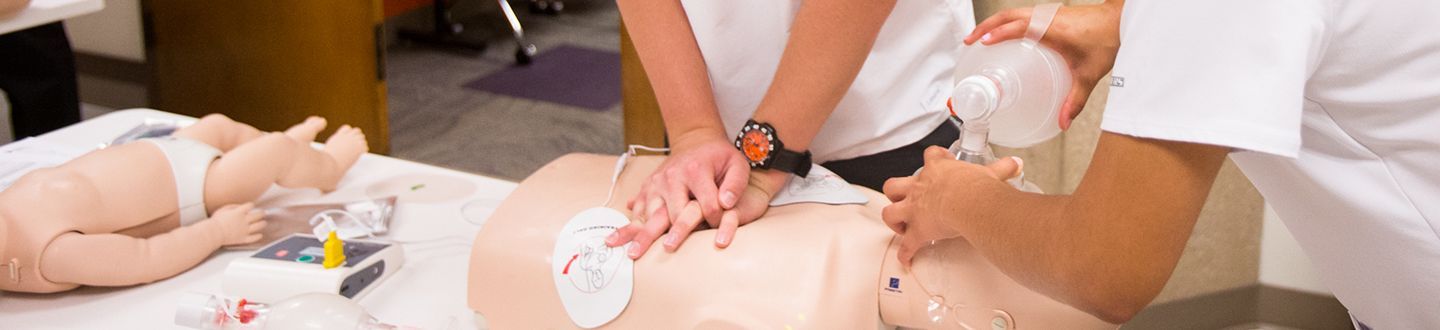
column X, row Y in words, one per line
column 550, row 7
column 525, row 54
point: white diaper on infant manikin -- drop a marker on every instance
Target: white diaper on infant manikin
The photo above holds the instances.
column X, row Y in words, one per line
column 189, row 162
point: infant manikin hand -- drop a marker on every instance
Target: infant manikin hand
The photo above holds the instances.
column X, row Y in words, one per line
column 239, row 223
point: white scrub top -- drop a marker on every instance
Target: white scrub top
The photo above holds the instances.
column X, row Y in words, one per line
column 1334, row 109
column 897, row 98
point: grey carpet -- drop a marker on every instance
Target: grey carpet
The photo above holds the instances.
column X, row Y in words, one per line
column 565, row 74
column 434, row 119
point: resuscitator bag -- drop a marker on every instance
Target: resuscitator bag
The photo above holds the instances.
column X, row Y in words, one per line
column 1016, row 86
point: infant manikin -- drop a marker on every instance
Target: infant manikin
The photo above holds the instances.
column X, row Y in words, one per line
column 803, row 265
column 146, row 210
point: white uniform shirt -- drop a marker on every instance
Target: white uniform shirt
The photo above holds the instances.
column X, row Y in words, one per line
column 1334, row 109
column 897, row 98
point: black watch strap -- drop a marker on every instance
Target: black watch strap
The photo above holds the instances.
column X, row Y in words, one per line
column 790, row 161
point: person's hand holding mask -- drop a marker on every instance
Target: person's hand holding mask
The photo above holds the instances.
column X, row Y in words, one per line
column 704, row 180
column 927, row 206
column 1087, row 36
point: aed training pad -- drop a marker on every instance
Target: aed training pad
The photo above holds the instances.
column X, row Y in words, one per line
column 594, row 281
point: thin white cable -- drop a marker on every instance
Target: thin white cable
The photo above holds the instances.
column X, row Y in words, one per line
column 620, row 167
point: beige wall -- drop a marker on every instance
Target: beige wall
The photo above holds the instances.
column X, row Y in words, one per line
column 1223, row 253
column 114, row 31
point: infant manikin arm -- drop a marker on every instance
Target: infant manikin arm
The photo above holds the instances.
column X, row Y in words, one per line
column 119, row 260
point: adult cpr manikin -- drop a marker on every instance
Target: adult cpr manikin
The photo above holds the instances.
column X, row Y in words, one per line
column 802, row 266
column 150, row 209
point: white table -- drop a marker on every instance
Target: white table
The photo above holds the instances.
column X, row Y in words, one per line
column 48, row 11
column 428, row 291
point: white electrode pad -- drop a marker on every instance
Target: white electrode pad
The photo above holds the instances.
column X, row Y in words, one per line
column 820, row 186
column 594, row 281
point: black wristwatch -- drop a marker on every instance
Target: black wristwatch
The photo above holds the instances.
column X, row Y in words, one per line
column 762, row 147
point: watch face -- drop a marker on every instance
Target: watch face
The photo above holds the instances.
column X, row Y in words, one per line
column 756, row 145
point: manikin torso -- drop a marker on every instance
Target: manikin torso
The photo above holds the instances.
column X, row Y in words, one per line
column 57, row 195
column 801, row 266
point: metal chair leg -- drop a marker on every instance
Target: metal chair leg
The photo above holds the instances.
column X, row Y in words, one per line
column 526, row 51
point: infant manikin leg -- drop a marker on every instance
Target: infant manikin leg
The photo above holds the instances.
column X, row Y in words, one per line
column 244, row 173
column 220, row 132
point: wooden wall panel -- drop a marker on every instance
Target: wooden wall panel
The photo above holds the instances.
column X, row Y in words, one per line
column 270, row 63
column 643, row 124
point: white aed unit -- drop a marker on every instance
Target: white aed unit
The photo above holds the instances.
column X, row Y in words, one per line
column 292, row 266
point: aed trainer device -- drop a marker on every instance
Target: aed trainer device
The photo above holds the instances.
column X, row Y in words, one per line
column 293, row 265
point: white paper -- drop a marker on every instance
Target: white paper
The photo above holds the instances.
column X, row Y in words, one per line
column 820, row 186
column 594, row 281
column 22, row 157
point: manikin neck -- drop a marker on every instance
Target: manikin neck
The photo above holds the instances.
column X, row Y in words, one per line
column 903, row 306
column 5, row 267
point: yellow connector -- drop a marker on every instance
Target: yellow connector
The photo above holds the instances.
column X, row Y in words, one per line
column 334, row 252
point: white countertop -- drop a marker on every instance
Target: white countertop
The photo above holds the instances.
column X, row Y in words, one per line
column 428, row 291
column 48, row 11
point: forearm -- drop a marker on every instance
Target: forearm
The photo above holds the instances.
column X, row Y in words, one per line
column 1109, row 248
column 119, row 260
column 828, row 44
column 666, row 46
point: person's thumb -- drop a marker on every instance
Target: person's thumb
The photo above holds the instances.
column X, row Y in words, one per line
column 753, row 204
column 733, row 180
column 1006, row 168
column 1075, row 102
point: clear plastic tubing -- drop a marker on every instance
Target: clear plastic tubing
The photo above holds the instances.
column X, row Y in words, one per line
column 306, row 311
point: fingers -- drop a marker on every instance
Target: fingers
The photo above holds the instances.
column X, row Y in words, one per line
column 733, row 181
column 648, row 235
column 895, row 215
column 1001, row 18
column 935, row 154
column 897, row 188
column 700, row 180
column 624, row 234
column 684, row 224
column 1005, row 168
column 909, row 245
column 238, row 208
column 637, row 207
column 725, row 233
column 653, row 206
column 675, row 195
column 257, row 226
column 1012, row 30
